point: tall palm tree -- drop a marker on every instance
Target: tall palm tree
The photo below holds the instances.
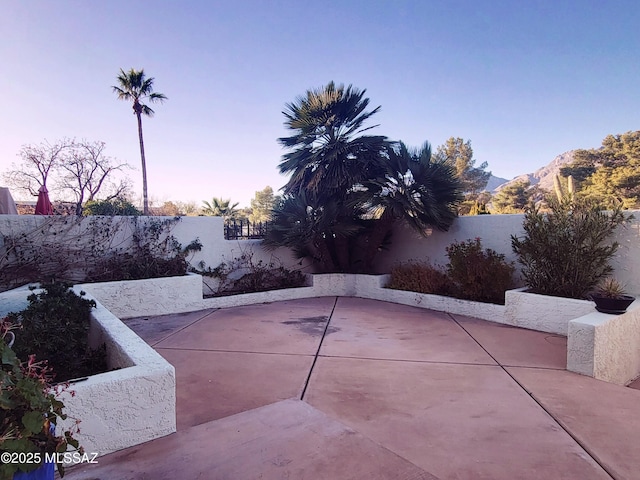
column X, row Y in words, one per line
column 134, row 86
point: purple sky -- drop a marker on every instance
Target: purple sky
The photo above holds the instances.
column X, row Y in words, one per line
column 523, row 80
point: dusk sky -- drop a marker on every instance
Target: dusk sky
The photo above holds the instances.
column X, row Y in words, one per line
column 523, row 80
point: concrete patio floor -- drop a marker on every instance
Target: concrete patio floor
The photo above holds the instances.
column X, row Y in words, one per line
column 349, row 388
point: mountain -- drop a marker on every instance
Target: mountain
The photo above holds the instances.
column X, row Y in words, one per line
column 543, row 177
column 494, row 182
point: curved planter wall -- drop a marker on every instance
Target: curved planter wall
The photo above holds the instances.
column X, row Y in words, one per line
column 121, row 408
column 153, row 296
column 136, row 403
column 543, row 312
column 124, row 407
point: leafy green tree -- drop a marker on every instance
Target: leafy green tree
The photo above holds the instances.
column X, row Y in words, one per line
column 479, row 209
column 610, row 186
column 346, row 188
column 134, row 86
column 262, row 204
column 115, row 206
column 513, row 198
column 609, row 175
column 583, row 165
column 219, row 207
column 459, row 154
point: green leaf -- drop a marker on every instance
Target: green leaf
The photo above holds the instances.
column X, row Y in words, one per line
column 33, row 422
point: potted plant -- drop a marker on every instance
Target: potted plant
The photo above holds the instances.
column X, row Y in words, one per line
column 610, row 297
column 29, row 413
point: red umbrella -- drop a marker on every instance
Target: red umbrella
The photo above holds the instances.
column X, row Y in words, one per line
column 43, row 206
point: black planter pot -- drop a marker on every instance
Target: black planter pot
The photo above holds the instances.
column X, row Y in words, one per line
column 615, row 306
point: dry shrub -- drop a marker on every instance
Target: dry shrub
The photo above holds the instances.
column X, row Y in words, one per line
column 420, row 277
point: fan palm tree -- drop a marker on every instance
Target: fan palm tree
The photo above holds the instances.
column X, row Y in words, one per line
column 347, row 189
column 330, row 155
column 219, row 207
column 318, row 231
column 134, row 86
column 415, row 188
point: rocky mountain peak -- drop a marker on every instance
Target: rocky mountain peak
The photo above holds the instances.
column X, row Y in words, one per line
column 543, row 177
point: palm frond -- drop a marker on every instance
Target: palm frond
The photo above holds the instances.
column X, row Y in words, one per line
column 134, row 86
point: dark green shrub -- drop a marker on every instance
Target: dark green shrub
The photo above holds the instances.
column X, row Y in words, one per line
column 420, row 277
column 478, row 274
column 55, row 327
column 566, row 251
column 116, row 206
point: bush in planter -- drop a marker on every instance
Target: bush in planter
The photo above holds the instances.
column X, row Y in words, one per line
column 482, row 275
column 473, row 273
column 55, row 327
column 566, row 251
column 29, row 412
column 116, row 206
column 420, row 277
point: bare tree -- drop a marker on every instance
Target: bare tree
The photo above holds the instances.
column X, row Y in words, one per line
column 38, row 162
column 85, row 171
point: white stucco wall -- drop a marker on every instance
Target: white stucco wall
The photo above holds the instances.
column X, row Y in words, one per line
column 543, row 312
column 124, row 407
column 215, row 249
column 153, row 296
column 606, row 347
column 494, row 230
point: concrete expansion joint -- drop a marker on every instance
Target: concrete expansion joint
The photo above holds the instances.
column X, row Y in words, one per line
column 530, row 394
column 183, row 328
column 317, row 354
column 247, row 352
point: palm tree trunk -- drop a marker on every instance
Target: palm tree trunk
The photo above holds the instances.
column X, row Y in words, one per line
column 381, row 229
column 145, row 200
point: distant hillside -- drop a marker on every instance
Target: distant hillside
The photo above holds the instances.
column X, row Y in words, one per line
column 494, row 182
column 543, row 177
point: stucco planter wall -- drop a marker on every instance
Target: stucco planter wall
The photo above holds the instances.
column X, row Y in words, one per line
column 258, row 297
column 119, row 408
column 543, row 312
column 153, row 296
column 606, row 347
column 373, row 287
column 128, row 406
